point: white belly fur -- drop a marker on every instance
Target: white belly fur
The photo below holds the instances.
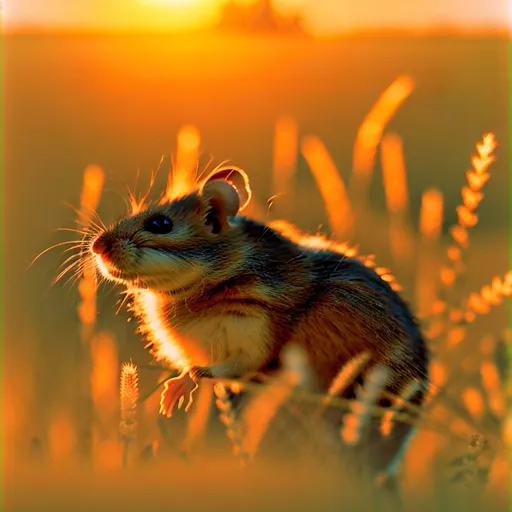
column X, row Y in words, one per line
column 211, row 339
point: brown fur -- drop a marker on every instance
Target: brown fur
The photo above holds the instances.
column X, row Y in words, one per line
column 234, row 292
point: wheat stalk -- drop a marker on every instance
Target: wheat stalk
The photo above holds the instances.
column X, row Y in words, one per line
column 467, row 216
column 478, row 303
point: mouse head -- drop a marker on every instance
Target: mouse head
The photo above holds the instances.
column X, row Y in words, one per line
column 178, row 246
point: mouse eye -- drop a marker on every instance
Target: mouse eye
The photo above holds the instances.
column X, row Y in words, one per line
column 158, row 225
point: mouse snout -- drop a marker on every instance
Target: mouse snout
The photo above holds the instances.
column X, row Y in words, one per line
column 102, row 245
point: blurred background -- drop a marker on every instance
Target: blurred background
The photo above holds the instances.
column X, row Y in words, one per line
column 114, row 84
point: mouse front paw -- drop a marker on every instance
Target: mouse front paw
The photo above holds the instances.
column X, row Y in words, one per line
column 200, row 372
column 177, row 391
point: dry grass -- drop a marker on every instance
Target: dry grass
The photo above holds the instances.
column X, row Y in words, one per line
column 469, row 417
column 129, row 395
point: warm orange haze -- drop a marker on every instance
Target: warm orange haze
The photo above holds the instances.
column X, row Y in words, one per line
column 321, row 17
column 387, row 147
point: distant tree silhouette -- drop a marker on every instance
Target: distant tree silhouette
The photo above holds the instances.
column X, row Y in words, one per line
column 258, row 17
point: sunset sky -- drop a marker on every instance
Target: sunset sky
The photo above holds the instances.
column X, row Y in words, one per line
column 322, row 16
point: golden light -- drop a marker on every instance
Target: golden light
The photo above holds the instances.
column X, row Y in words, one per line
column 183, row 14
column 147, row 306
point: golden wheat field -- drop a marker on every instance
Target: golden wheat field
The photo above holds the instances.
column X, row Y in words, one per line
column 401, row 163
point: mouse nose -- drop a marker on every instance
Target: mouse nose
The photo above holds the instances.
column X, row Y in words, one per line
column 101, row 246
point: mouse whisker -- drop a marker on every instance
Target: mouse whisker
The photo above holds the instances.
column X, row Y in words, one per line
column 122, row 303
column 81, row 248
column 86, row 219
column 75, row 276
column 78, row 263
column 77, row 243
column 70, row 258
column 83, row 232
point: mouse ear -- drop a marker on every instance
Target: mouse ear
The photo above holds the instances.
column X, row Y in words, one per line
column 236, row 178
column 221, row 199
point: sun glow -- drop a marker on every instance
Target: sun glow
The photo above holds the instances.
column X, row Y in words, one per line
column 184, row 14
column 176, row 2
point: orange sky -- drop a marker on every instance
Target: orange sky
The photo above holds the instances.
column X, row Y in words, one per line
column 323, row 16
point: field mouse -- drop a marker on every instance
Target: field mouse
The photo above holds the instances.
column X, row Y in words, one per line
column 219, row 295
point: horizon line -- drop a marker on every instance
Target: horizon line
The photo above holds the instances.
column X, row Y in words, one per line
column 440, row 29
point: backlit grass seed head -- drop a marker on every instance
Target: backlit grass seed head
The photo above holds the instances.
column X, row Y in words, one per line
column 347, row 374
column 129, row 391
column 480, row 303
column 472, row 195
column 229, row 419
column 467, row 219
column 490, row 295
